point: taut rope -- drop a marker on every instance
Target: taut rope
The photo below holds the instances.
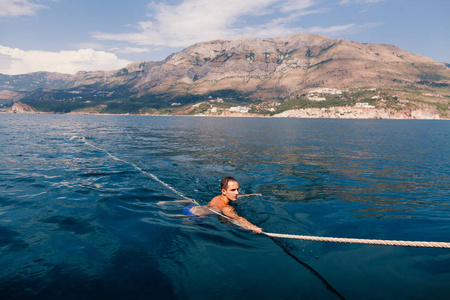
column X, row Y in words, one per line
column 360, row 241
column 143, row 172
column 291, row 236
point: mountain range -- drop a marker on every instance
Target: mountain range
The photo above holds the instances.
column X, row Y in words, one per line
column 266, row 75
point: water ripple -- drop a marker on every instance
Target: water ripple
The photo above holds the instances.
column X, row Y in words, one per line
column 75, row 221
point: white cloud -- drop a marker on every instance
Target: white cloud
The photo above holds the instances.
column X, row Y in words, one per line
column 194, row 21
column 16, row 8
column 278, row 30
column 346, row 2
column 295, row 15
column 291, row 5
column 130, row 50
column 114, row 49
column 16, row 61
column 330, row 30
column 339, row 30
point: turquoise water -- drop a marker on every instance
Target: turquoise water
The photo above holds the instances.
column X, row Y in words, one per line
column 75, row 223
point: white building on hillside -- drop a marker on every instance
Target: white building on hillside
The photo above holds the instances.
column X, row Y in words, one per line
column 316, row 98
column 240, row 109
column 326, row 91
column 364, row 104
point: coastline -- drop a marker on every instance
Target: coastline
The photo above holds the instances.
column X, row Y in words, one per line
column 412, row 112
column 308, row 113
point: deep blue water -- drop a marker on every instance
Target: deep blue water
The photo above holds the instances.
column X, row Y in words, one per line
column 77, row 224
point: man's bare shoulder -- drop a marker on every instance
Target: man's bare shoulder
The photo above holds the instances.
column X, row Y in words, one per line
column 216, row 203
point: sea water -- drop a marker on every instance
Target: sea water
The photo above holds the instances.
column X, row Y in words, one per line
column 83, row 220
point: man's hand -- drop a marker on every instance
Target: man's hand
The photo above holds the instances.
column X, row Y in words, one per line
column 257, row 230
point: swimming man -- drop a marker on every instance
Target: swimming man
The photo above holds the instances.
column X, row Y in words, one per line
column 75, row 137
column 230, row 193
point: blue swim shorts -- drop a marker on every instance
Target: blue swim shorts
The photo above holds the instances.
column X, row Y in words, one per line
column 187, row 210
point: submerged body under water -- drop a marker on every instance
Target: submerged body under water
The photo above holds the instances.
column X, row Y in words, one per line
column 81, row 219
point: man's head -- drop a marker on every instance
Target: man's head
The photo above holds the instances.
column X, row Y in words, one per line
column 230, row 188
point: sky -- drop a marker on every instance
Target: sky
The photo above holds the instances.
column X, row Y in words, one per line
column 68, row 36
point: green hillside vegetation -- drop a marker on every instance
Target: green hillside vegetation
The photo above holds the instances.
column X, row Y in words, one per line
column 112, row 102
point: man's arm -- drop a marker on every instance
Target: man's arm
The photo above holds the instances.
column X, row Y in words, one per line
column 174, row 201
column 246, row 195
column 229, row 212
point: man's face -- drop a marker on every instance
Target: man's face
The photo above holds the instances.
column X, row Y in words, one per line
column 232, row 191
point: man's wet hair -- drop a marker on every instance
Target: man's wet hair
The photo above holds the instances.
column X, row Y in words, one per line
column 225, row 181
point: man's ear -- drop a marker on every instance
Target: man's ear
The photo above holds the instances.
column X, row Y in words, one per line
column 224, row 191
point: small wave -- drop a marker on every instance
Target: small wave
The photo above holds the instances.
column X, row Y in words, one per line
column 103, row 173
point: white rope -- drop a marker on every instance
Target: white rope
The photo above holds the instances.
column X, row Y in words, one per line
column 289, row 236
column 154, row 177
column 360, row 241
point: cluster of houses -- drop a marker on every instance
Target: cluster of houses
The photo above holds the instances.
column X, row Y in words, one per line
column 314, row 94
column 326, row 91
column 240, row 109
column 364, row 104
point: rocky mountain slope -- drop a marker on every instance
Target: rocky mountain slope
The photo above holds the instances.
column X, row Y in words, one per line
column 246, row 70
